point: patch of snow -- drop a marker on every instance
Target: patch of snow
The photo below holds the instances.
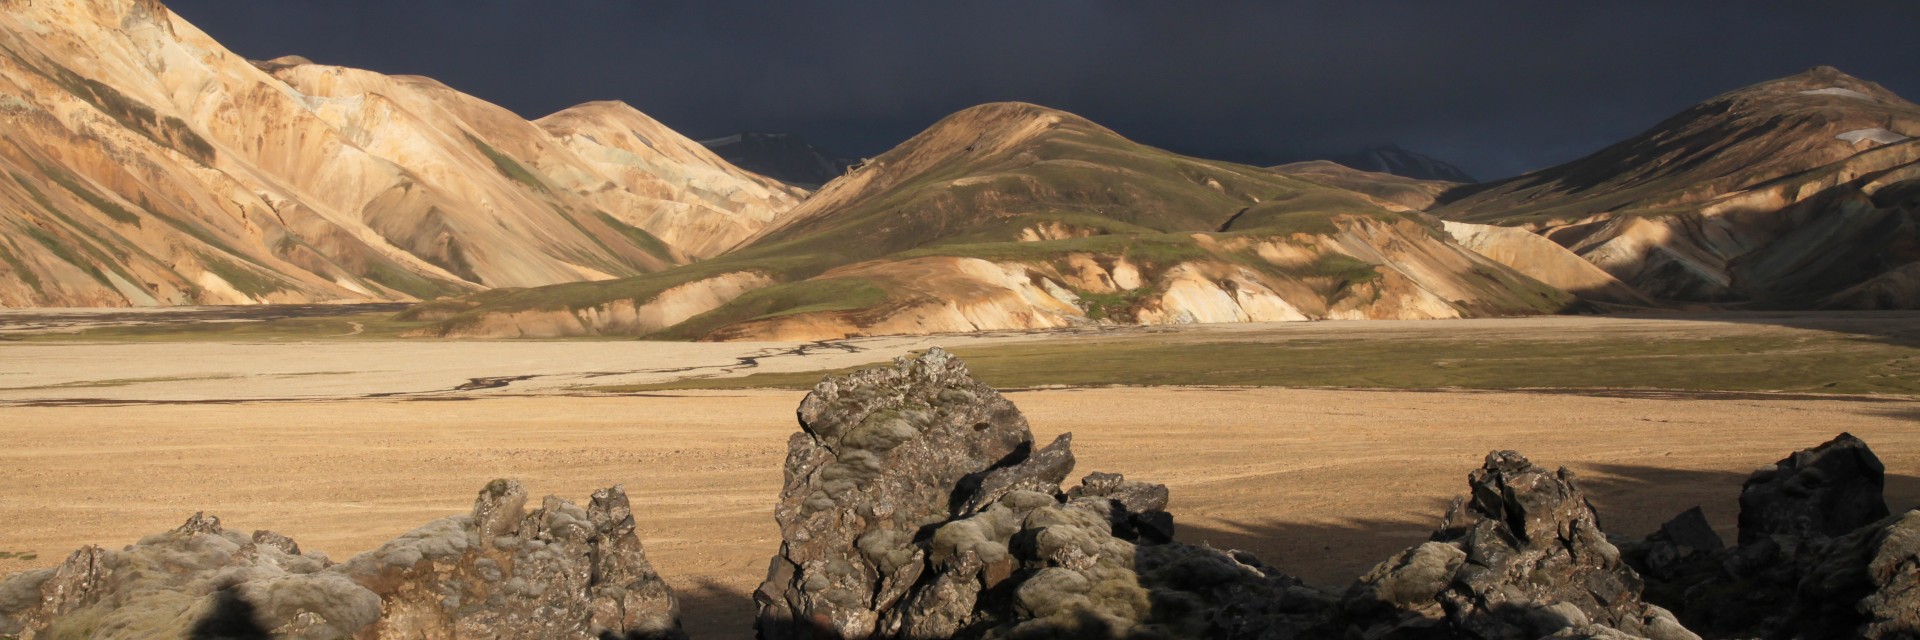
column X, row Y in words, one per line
column 721, row 142
column 1881, row 136
column 1837, row 91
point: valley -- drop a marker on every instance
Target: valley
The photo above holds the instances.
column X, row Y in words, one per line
column 1291, row 435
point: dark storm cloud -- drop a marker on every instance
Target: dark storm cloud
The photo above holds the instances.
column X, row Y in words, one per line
column 1498, row 87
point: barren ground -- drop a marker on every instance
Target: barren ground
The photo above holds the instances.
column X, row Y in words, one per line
column 109, row 442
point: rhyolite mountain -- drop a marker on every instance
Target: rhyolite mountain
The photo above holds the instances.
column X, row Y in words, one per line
column 782, row 156
column 1794, row 193
column 1391, row 159
column 145, row 164
column 1015, row 216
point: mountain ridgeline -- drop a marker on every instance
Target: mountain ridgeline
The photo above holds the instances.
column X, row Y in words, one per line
column 146, row 165
column 1015, row 216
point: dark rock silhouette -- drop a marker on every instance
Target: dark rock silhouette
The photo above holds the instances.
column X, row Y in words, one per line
column 1865, row 585
column 1810, row 527
column 1823, row 492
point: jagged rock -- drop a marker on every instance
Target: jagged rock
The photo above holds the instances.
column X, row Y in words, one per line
column 1522, row 556
column 1824, row 492
column 197, row 580
column 554, row 572
column 1865, row 585
column 558, row 571
column 1790, row 514
column 915, row 507
column 878, row 459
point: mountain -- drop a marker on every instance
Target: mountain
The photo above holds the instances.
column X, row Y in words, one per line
column 781, row 156
column 1407, row 164
column 148, row 165
column 1798, row 192
column 1412, row 193
column 1013, row 216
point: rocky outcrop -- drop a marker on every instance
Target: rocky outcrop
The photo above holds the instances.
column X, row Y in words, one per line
column 503, row 571
column 1522, row 556
column 1823, row 492
column 915, row 507
column 1817, row 553
column 1865, row 585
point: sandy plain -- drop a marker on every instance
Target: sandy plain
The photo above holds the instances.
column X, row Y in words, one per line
column 104, row 443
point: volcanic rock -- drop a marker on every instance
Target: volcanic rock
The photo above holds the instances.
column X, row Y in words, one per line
column 1866, row 585
column 1823, row 492
column 502, row 571
column 1791, row 514
column 1522, row 556
column 915, row 507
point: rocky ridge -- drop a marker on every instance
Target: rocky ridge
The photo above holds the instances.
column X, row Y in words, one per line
column 917, row 505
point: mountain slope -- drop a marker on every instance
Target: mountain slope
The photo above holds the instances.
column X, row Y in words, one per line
column 148, row 165
column 1792, row 192
column 1414, row 194
column 1391, row 159
column 781, row 156
column 1014, row 216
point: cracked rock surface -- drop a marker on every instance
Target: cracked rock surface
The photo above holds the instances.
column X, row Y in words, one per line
column 503, row 571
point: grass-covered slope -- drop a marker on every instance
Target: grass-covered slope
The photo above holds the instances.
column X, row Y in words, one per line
column 1014, row 216
column 1778, row 194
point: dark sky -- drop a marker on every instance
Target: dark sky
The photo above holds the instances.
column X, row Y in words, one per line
column 1496, row 87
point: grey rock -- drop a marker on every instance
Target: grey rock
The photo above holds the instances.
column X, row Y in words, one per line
column 555, row 572
column 1522, row 556
column 915, row 507
column 879, row 458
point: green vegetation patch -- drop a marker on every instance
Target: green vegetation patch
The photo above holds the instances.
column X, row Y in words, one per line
column 167, row 131
column 373, row 325
column 62, row 251
column 1119, row 305
column 1162, row 250
column 20, row 269
column 807, row 296
column 112, row 209
column 509, row 167
column 1813, row 362
column 399, row 279
column 244, row 280
column 639, row 237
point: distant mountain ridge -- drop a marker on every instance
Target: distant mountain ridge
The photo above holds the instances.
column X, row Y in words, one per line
column 782, row 156
column 1012, row 216
column 1394, row 160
